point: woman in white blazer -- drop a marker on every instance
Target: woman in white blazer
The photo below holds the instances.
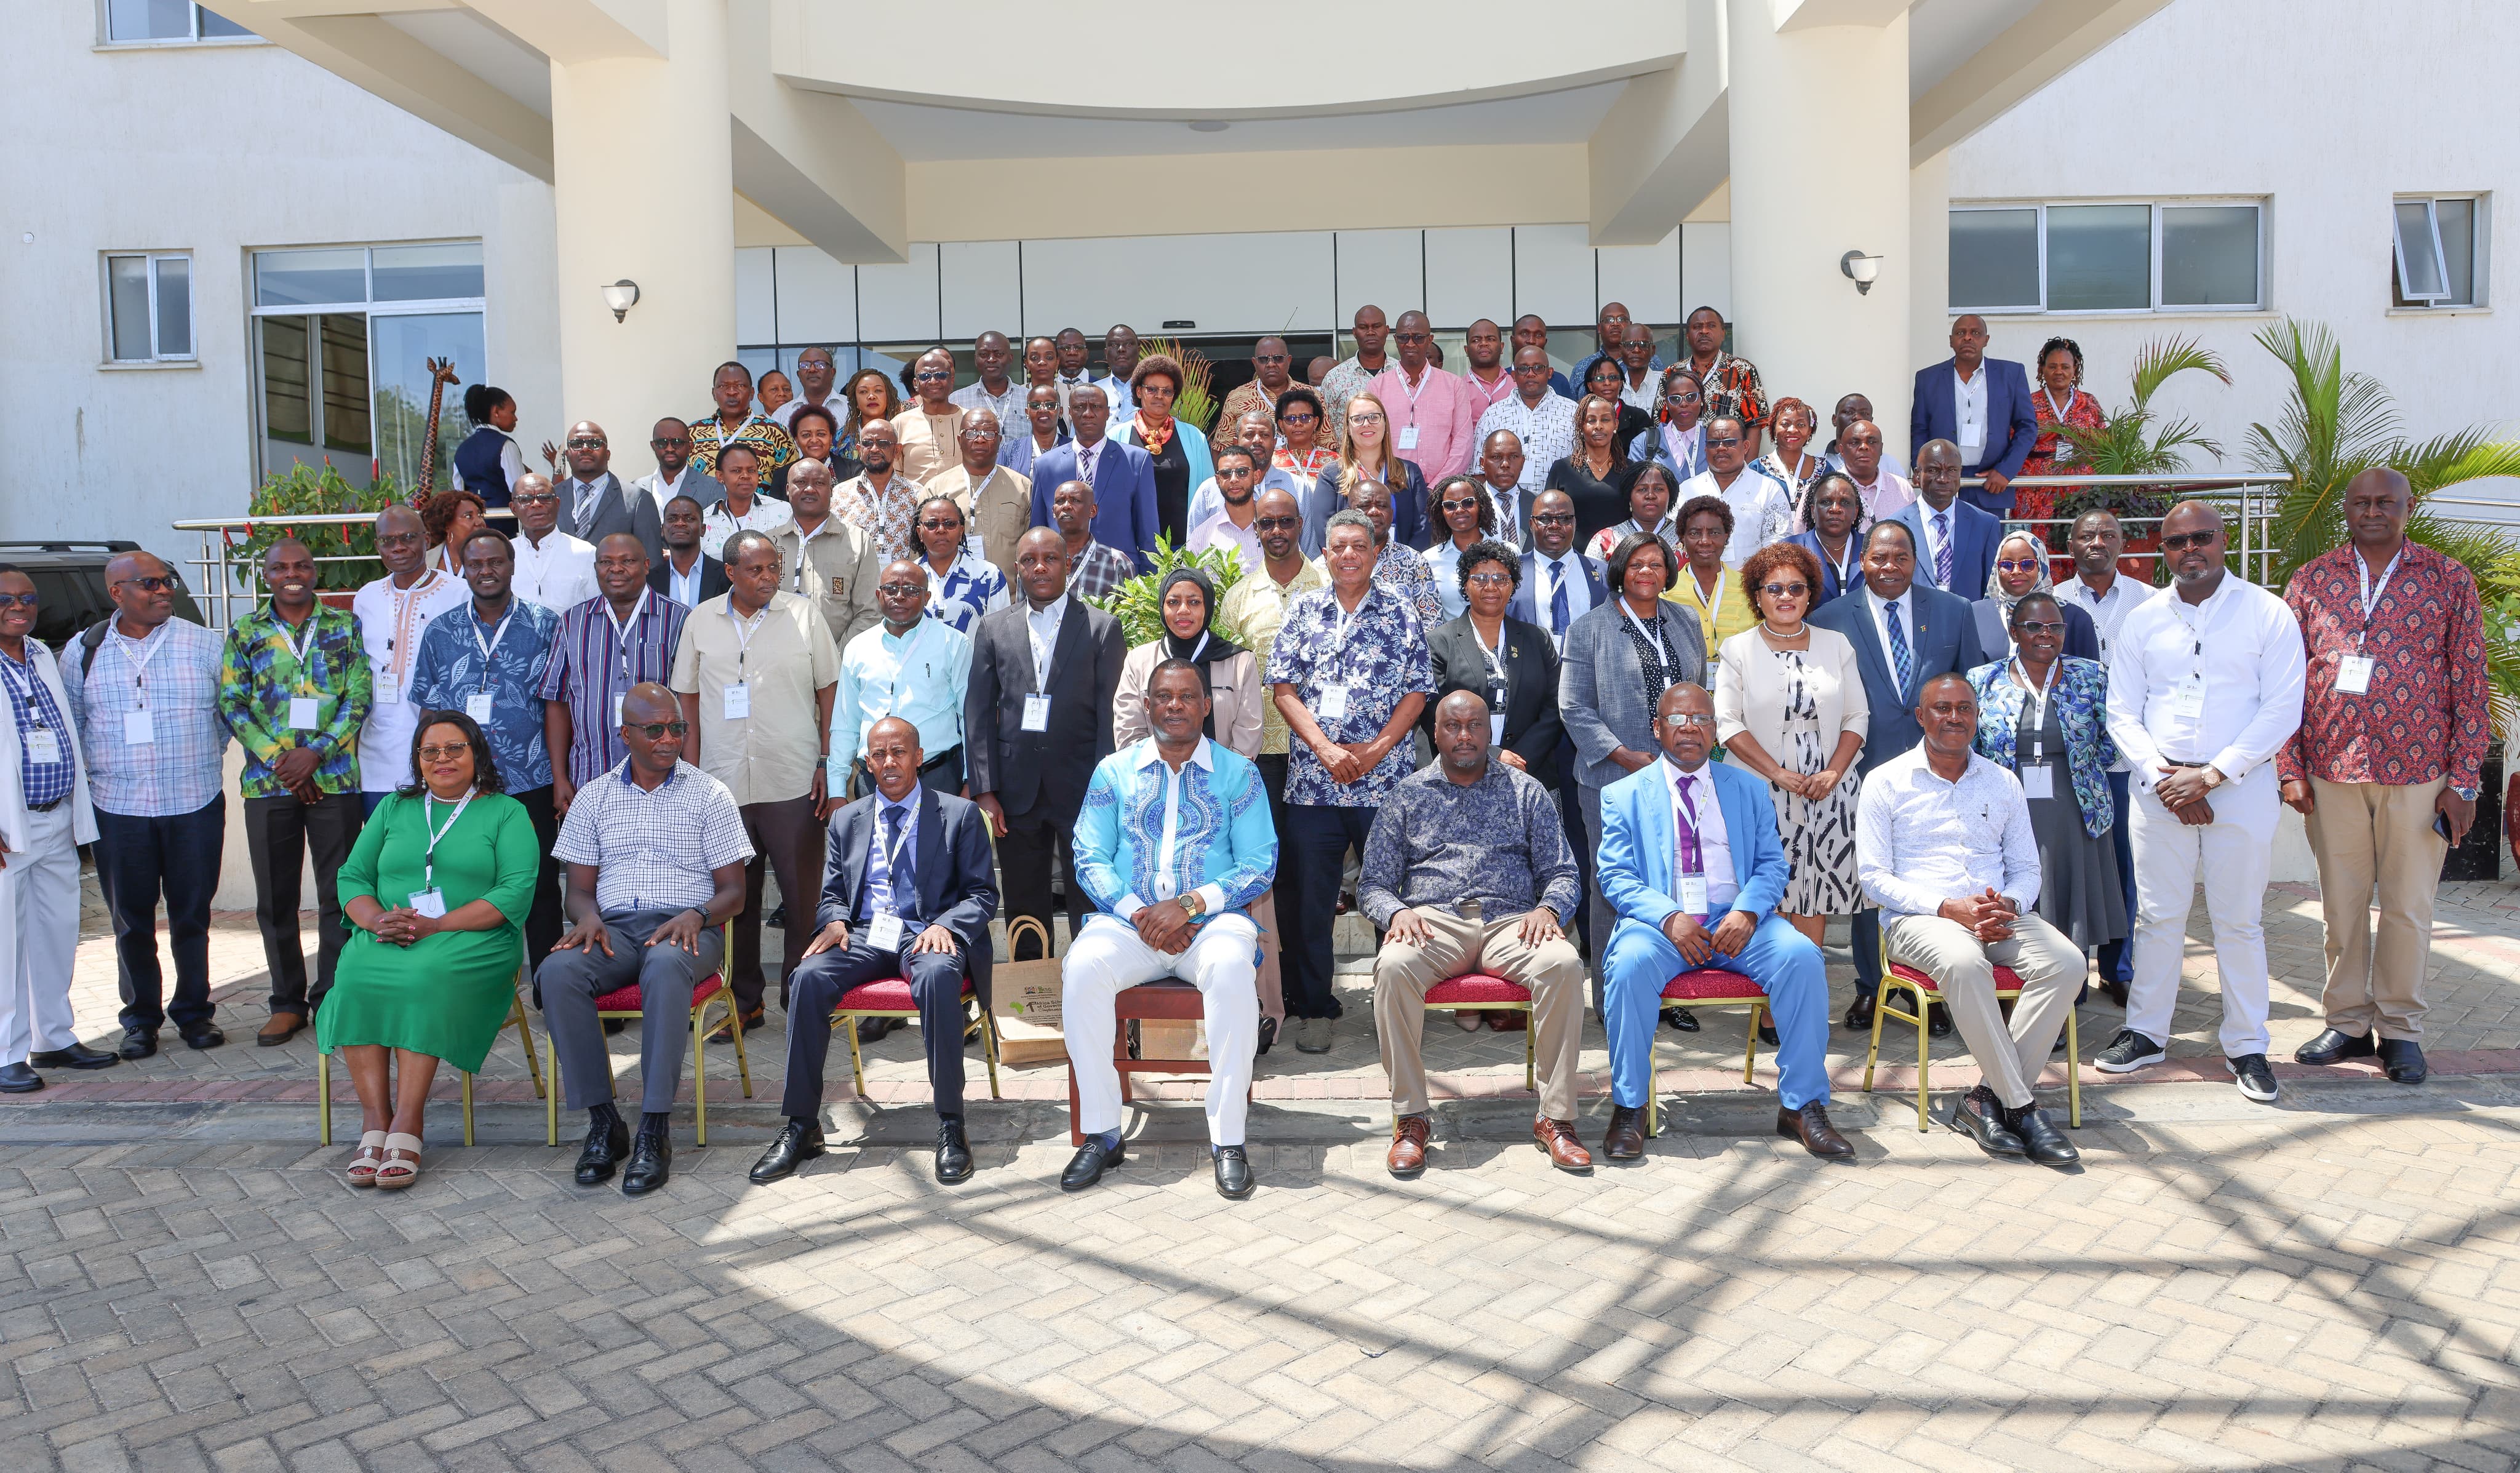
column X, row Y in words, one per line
column 1789, row 707
column 39, row 874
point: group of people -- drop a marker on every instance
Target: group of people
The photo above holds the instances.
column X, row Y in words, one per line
column 1686, row 699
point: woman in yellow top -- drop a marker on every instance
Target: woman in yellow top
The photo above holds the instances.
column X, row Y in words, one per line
column 1707, row 588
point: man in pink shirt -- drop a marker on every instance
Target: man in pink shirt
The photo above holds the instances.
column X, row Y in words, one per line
column 1487, row 380
column 1432, row 413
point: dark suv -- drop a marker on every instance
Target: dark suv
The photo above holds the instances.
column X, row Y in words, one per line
column 70, row 585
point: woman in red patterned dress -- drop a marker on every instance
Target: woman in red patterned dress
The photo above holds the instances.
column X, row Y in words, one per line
column 2059, row 399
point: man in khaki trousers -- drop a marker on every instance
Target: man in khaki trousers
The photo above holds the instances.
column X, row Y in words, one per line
column 2392, row 733
column 1467, row 869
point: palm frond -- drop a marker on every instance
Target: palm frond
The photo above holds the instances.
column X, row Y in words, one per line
column 2157, row 363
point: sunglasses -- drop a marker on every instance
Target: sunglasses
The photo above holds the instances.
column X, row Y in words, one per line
column 941, row 526
column 1552, row 519
column 932, row 376
column 1470, row 504
column 586, row 442
column 662, row 443
column 1297, row 417
column 2184, row 541
column 652, row 730
column 900, row 590
column 1278, row 523
column 1784, row 590
column 2040, row 626
column 26, row 601
column 1723, row 443
column 151, row 585
column 443, row 753
column 2016, row 564
column 533, row 498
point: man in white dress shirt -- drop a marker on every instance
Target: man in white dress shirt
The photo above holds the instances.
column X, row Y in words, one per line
column 2205, row 687
column 1882, row 489
column 393, row 612
column 1558, row 581
column 553, row 568
column 1541, row 421
column 1761, row 512
column 1238, row 484
column 2098, row 589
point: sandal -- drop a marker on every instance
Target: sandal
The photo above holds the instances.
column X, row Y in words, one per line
column 371, row 1154
column 401, row 1166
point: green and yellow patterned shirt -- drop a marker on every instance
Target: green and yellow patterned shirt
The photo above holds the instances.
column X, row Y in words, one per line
column 263, row 671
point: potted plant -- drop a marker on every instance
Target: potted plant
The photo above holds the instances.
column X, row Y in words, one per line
column 307, row 490
column 1134, row 604
column 2138, row 440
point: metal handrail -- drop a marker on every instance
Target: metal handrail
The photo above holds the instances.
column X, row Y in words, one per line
column 2249, row 542
column 225, row 583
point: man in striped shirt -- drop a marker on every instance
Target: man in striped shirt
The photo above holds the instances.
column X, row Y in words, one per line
column 623, row 636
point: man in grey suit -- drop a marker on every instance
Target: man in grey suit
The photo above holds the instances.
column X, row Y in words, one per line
column 675, row 475
column 1905, row 633
column 594, row 503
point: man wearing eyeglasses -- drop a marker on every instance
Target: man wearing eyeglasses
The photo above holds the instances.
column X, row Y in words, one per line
column 1257, row 432
column 553, row 569
column 1541, row 421
column 393, row 612
column 1762, row 514
column 1270, row 378
column 670, row 442
column 996, row 502
column 144, row 689
column 815, row 375
column 1231, row 525
column 1610, row 334
column 594, row 503
column 930, row 428
column 996, row 390
column 1434, row 421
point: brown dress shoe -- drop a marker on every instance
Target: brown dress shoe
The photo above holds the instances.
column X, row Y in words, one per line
column 1810, row 1125
column 1409, row 1145
column 279, row 1029
column 1557, row 1138
column 1625, row 1139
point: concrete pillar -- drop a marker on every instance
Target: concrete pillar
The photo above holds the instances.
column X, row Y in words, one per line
column 1929, row 219
column 642, row 185
column 1820, row 167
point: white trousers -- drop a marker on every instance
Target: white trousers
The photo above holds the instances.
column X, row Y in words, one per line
column 1108, row 956
column 39, row 921
column 2232, row 853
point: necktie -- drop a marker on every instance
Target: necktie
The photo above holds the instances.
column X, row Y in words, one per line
column 1898, row 657
column 587, row 497
column 1084, row 459
column 1943, row 549
column 1557, row 599
column 903, row 893
column 1690, row 858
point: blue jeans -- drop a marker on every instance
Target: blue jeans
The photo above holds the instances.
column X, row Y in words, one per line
column 2116, row 963
column 1642, row 960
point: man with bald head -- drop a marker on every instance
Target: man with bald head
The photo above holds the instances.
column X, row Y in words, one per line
column 995, row 501
column 594, row 503
column 1431, row 413
column 1530, row 332
column 624, row 636
column 670, row 442
column 1611, row 336
column 393, row 612
column 144, row 690
column 997, row 390
column 815, row 375
column 1270, row 378
column 931, row 423
column 1981, row 405
column 553, row 569
column 1541, row 421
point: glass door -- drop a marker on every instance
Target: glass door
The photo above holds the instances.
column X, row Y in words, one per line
column 398, row 369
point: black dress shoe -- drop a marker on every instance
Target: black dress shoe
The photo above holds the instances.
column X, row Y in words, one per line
column 2404, row 1058
column 1938, row 1021
column 652, row 1161
column 76, row 1056
column 604, row 1148
column 1768, row 1035
column 1979, row 1116
column 612, row 1026
column 778, row 915
column 2333, row 1045
column 873, row 1030
column 1810, row 1126
column 953, row 1151
column 18, row 1078
column 2116, row 992
column 1091, row 1161
column 2040, row 1139
column 202, row 1034
column 1859, row 1013
column 1681, row 1018
column 1233, row 1173
column 798, row 1142
column 138, row 1042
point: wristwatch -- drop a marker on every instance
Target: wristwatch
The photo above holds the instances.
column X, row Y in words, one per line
column 2214, row 777
column 1193, row 905
column 2464, row 794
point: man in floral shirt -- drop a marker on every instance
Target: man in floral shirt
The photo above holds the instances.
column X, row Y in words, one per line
column 1349, row 673
column 2392, row 736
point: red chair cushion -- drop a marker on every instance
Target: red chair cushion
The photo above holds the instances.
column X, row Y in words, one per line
column 626, row 998
column 1479, row 988
column 1711, row 984
column 2005, row 978
column 891, row 995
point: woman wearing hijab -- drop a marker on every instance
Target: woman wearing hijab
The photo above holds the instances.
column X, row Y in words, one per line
column 1187, row 601
column 2020, row 570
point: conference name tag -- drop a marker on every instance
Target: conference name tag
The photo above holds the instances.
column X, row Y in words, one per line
column 431, row 903
column 2353, row 675
column 44, row 745
column 1408, row 436
column 139, row 728
column 301, row 713
column 389, row 690
column 739, row 702
column 1036, row 713
column 883, row 933
column 1496, row 731
column 1692, row 895
column 2039, row 782
column 478, row 705
column 2187, row 697
column 1333, row 706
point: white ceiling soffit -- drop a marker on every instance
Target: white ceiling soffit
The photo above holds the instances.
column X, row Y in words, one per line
column 1943, row 33
column 479, row 46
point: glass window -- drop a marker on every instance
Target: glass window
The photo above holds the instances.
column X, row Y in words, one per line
column 353, row 382
column 127, row 287
column 2438, row 252
column 2420, row 252
column 2455, row 221
column 2099, row 257
column 399, row 369
column 1994, row 258
column 174, row 283
column 148, row 307
column 345, row 381
column 214, row 24
column 2209, row 255
column 166, row 21
column 288, row 410
column 427, row 273
column 309, row 277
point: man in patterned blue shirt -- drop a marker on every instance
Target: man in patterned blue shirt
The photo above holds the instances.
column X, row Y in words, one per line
column 488, row 663
column 1174, row 843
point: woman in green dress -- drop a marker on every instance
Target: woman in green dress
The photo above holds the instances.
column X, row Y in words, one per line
column 435, row 892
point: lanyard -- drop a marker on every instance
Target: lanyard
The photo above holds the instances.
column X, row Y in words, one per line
column 621, row 627
column 901, row 662
column 744, row 630
column 23, row 683
column 2039, row 705
column 2056, row 411
column 492, row 647
column 1494, row 658
column 299, row 646
column 134, row 652
column 1697, row 591
column 1412, row 393
column 892, row 855
column 2371, row 592
column 429, row 860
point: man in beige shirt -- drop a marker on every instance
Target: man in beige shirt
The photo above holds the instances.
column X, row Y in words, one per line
column 757, row 671
column 931, row 425
column 996, row 502
column 823, row 558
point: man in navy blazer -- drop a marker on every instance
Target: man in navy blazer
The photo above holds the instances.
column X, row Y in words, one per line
column 1551, row 555
column 1975, row 534
column 1940, row 637
column 907, row 892
column 2009, row 425
column 1123, row 479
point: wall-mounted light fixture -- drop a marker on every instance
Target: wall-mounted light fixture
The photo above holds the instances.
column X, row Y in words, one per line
column 621, row 296
column 1863, row 270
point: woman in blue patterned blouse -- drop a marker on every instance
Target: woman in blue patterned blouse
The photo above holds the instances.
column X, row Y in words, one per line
column 960, row 587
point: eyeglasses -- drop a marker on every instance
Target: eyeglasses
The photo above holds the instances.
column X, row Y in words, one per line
column 1470, row 504
column 652, row 730
column 1552, row 519
column 586, row 442
column 1269, row 358
column 2040, row 626
column 668, row 442
column 2016, row 564
column 151, row 585
column 1233, row 472
column 1684, row 396
column 444, row 753
column 1683, row 720
column 1276, row 523
column 1530, row 368
column 941, row 526
column 1489, row 580
column 932, row 376
column 1365, row 419
column 1785, row 590
column 1297, row 417
column 2184, row 541
column 26, row 601
column 1722, row 442
column 900, row 590
column 982, row 433
column 533, row 498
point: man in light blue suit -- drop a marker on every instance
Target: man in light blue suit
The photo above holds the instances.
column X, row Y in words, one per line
column 1980, row 404
column 1905, row 634
column 1123, row 479
column 1684, row 842
column 1955, row 541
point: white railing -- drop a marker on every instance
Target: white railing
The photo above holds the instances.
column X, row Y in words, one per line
column 2248, row 500
column 227, row 585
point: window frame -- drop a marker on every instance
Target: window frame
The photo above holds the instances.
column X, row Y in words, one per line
column 2155, row 205
column 2479, row 226
column 104, row 261
column 106, row 40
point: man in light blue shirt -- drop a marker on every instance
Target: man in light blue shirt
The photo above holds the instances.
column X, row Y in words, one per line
column 909, row 666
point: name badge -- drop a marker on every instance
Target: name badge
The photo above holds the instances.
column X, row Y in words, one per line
column 44, row 745
column 389, row 690
column 431, row 903
column 738, row 703
column 1036, row 713
column 301, row 713
column 477, row 706
column 839, row 587
column 1692, row 895
column 2187, row 697
column 139, row 728
column 2039, row 782
column 1408, row 436
column 1333, row 705
column 1496, row 731
column 617, row 711
column 2353, row 675
column 883, row 933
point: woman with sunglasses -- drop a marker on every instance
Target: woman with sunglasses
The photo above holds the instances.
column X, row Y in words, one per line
column 1176, row 447
column 1302, row 455
column 1789, row 707
column 436, row 891
column 1463, row 511
column 2020, row 570
column 1677, row 441
column 961, row 586
column 2043, row 715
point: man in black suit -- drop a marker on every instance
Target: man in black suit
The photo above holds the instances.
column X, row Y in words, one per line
column 1575, row 586
column 1045, row 673
column 594, row 503
column 686, row 574
column 906, row 893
